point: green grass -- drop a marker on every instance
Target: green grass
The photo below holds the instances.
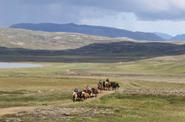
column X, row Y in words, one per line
column 139, row 108
column 31, row 98
column 53, row 85
column 37, row 91
column 129, row 108
column 54, row 79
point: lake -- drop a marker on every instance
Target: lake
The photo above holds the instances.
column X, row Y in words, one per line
column 7, row 65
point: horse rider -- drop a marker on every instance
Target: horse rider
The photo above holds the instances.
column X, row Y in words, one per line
column 107, row 80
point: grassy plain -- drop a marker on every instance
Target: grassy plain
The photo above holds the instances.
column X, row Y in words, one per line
column 151, row 90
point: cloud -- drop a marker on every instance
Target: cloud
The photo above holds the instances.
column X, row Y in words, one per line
column 138, row 15
column 68, row 10
column 143, row 9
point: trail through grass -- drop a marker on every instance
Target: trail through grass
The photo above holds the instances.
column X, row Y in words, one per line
column 153, row 91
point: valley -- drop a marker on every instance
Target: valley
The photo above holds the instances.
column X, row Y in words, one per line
column 146, row 86
column 151, row 77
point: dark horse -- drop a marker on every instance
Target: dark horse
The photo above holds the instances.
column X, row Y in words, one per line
column 95, row 92
column 114, row 85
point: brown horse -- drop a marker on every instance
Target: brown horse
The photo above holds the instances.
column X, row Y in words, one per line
column 94, row 92
column 89, row 91
column 86, row 95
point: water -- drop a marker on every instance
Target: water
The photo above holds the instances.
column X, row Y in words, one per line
column 6, row 65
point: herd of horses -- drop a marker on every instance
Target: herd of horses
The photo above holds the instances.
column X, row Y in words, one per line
column 88, row 92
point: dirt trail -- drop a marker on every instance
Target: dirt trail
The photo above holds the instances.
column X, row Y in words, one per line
column 103, row 93
column 14, row 110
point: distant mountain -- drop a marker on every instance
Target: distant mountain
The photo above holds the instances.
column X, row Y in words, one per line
column 164, row 35
column 179, row 38
column 88, row 29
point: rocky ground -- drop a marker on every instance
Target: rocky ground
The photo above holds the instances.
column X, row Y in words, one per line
column 55, row 114
column 30, row 114
column 158, row 91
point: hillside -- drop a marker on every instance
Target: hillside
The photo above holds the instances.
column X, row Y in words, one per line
column 26, row 45
column 130, row 49
column 110, row 52
column 88, row 29
column 19, row 38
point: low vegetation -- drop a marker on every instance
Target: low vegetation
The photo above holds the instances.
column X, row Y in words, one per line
column 151, row 90
column 20, row 38
column 36, row 46
column 151, row 78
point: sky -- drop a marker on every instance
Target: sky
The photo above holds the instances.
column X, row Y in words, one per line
column 166, row 16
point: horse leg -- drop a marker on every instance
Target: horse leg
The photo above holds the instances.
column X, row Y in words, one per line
column 73, row 99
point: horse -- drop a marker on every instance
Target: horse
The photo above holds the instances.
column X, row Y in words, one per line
column 104, row 85
column 89, row 91
column 85, row 95
column 100, row 85
column 77, row 95
column 114, row 85
column 94, row 92
column 107, row 85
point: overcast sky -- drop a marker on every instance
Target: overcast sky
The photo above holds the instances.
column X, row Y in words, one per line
column 166, row 16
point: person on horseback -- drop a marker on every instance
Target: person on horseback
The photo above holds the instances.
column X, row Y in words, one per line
column 75, row 90
column 107, row 84
column 100, row 82
column 88, row 89
column 77, row 94
column 107, row 80
column 103, row 84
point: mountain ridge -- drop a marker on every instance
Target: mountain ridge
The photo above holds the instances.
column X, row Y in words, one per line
column 164, row 35
column 180, row 37
column 89, row 29
column 27, row 45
